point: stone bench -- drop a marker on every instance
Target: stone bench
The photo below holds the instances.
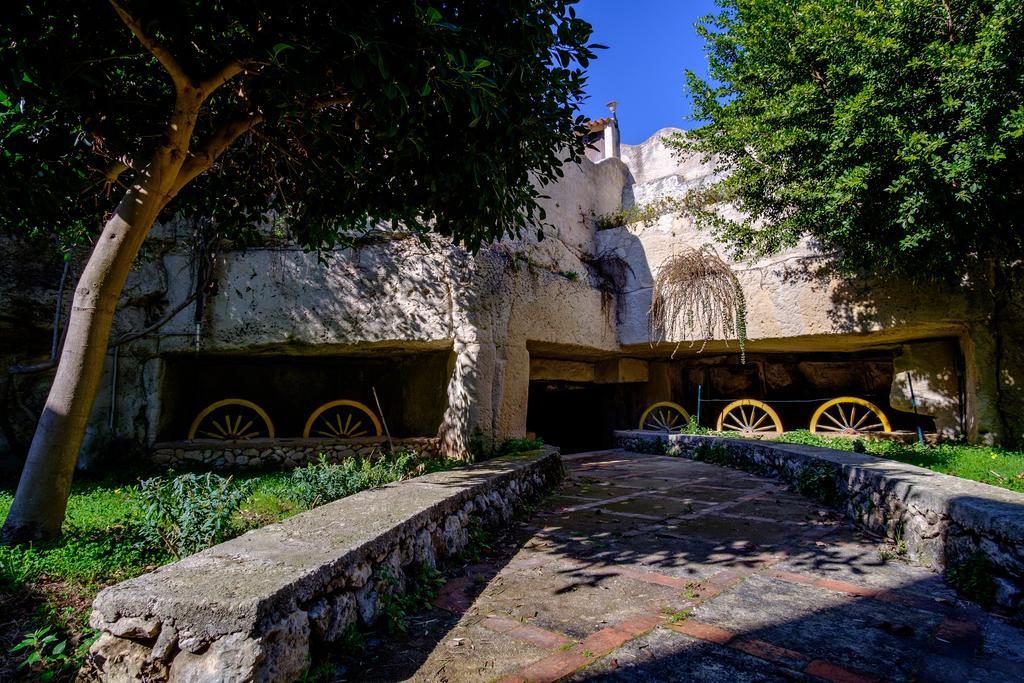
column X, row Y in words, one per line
column 943, row 520
column 250, row 608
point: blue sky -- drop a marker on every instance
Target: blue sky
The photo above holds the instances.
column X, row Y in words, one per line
column 650, row 44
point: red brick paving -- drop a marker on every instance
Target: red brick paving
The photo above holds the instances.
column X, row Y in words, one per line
column 836, row 673
column 707, row 632
column 767, row 651
column 551, row 668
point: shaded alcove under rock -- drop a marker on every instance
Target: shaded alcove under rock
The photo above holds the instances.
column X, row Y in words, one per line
column 411, row 386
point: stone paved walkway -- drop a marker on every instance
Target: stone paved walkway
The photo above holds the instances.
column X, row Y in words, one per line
column 652, row 568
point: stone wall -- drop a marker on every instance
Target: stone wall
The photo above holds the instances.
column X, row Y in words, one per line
column 552, row 299
column 251, row 608
column 796, row 303
column 273, row 453
column 943, row 520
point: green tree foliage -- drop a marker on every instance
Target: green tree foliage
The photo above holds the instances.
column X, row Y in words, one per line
column 889, row 131
column 341, row 114
column 327, row 116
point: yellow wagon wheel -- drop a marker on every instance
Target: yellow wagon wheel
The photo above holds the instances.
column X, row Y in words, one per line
column 849, row 415
column 342, row 419
column 232, row 419
column 664, row 416
column 749, row 417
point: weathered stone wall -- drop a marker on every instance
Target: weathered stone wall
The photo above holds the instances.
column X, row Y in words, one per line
column 515, row 298
column 943, row 520
column 795, row 303
column 251, row 608
column 931, row 369
column 395, row 296
column 287, row 453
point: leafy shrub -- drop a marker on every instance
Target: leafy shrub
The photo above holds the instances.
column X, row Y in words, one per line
column 14, row 572
column 714, row 453
column 324, row 481
column 817, row 481
column 478, row 540
column 647, row 214
column 45, row 652
column 190, row 512
column 516, row 446
column 693, row 428
column 422, row 584
column 973, row 578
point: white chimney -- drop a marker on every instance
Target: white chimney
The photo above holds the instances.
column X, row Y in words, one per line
column 611, row 133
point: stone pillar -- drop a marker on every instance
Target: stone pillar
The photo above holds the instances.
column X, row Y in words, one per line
column 511, row 392
column 470, row 415
column 1010, row 324
column 984, row 424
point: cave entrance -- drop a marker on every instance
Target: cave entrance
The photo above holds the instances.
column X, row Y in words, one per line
column 580, row 416
column 566, row 414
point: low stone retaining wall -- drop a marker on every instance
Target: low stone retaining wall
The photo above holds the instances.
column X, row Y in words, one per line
column 943, row 520
column 249, row 609
column 274, row 453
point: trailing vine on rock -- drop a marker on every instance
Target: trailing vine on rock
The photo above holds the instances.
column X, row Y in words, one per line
column 697, row 297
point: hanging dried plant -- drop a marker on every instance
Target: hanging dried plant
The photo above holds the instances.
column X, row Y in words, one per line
column 697, row 298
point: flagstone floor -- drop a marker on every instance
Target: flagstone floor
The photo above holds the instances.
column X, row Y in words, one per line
column 653, row 568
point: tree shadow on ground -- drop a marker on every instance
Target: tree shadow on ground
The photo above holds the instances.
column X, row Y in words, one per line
column 743, row 587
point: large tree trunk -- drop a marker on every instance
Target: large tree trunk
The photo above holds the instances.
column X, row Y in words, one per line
column 41, row 499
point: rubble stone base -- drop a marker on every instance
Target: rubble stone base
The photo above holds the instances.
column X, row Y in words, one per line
column 274, row 453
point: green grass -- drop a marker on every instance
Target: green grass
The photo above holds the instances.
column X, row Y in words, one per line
column 98, row 547
column 52, row 584
column 987, row 464
column 101, row 544
column 517, row 446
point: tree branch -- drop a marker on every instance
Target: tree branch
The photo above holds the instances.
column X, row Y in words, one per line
column 225, row 74
column 204, row 156
column 115, row 170
column 949, row 21
column 320, row 105
column 132, row 336
column 181, row 80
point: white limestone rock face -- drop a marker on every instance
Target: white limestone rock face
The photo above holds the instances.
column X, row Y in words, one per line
column 932, row 368
column 398, row 295
column 652, row 161
column 789, row 296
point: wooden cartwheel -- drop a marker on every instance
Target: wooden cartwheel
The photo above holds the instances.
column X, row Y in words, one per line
column 342, row 419
column 749, row 417
column 232, row 419
column 665, row 416
column 849, row 415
